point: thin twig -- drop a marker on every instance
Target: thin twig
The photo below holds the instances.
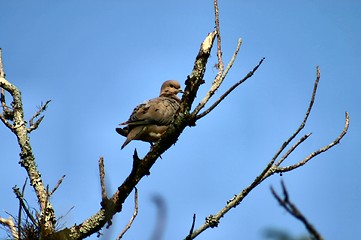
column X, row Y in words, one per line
column 102, row 176
column 2, row 72
column 234, row 56
column 217, row 81
column 21, row 200
column 293, row 210
column 271, row 168
column 250, row 74
column 267, row 171
column 321, row 150
column 220, row 64
column 20, row 207
column 303, row 123
column 57, row 185
column 301, row 140
column 27, row 158
column 41, row 109
column 192, row 228
column 135, row 213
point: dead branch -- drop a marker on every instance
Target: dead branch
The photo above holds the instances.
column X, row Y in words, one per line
column 41, row 109
column 57, row 185
column 142, row 167
column 220, row 64
column 291, row 208
column 7, row 114
column 133, row 216
column 303, row 123
column 271, row 168
column 20, row 197
column 215, row 104
column 192, row 228
column 11, row 225
column 102, row 176
column 321, row 150
column 20, row 207
column 27, row 159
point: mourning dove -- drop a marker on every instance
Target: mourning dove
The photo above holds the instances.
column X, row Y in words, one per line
column 150, row 120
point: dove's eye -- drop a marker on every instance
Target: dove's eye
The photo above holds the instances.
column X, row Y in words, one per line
column 172, row 86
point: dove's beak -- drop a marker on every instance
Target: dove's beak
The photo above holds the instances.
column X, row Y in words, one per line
column 180, row 91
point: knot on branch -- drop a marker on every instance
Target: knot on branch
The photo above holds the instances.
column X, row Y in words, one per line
column 212, row 221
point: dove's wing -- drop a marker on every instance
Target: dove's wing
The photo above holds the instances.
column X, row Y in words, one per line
column 159, row 111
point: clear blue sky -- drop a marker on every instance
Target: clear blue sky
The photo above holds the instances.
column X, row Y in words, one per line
column 97, row 59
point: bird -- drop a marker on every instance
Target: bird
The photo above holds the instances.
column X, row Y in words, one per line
column 150, row 119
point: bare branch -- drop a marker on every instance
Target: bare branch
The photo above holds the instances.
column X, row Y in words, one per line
column 234, row 56
column 217, row 81
column 11, row 225
column 192, row 228
column 20, row 207
column 293, row 210
column 21, row 201
column 41, row 109
column 133, row 216
column 2, row 72
column 102, row 176
column 27, row 158
column 301, row 140
column 250, row 74
column 57, row 185
column 142, row 167
column 220, row 64
column 7, row 113
column 271, row 168
column 321, row 150
column 303, row 123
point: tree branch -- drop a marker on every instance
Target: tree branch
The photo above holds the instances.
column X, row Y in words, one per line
column 57, row 185
column 220, row 64
column 192, row 228
column 293, row 210
column 11, row 225
column 221, row 73
column 321, row 150
column 35, row 125
column 271, row 168
column 20, row 207
column 22, row 203
column 27, row 159
column 133, row 216
column 102, row 176
column 142, row 167
column 214, row 105
column 7, row 113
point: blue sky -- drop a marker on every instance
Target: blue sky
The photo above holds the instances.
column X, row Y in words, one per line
column 96, row 60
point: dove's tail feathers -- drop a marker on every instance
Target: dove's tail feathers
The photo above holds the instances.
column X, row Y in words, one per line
column 122, row 131
column 125, row 143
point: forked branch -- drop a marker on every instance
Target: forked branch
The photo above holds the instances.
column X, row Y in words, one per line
column 274, row 166
column 291, row 208
column 27, row 159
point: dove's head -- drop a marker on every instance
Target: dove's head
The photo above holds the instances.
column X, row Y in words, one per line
column 170, row 87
